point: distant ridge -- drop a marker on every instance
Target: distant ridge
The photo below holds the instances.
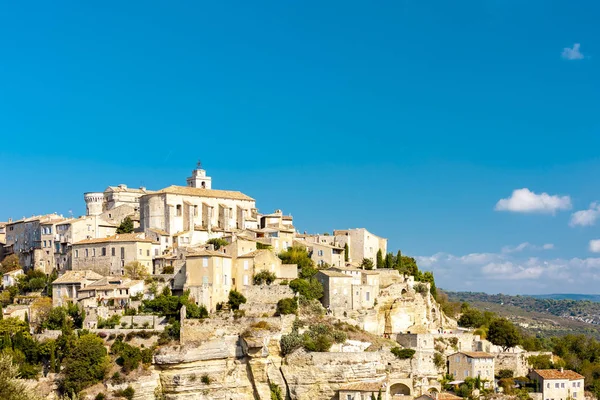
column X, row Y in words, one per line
column 568, row 296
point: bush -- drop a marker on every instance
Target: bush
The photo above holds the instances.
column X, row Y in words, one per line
column 290, row 342
column 339, row 336
column 109, row 323
column 439, row 360
column 168, row 269
column 308, row 288
column 128, row 393
column 287, row 306
column 117, row 378
column 421, row 288
column 264, row 276
column 263, row 325
column 505, row 373
column 206, row 379
column 100, row 396
column 86, row 364
column 320, row 343
column 284, row 282
column 402, row 354
column 236, row 299
column 275, row 391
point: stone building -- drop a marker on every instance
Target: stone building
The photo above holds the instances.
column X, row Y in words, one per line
column 248, row 265
column 33, row 240
column 65, row 288
column 115, row 291
column 193, row 214
column 361, row 244
column 337, row 288
column 208, row 277
column 10, row 278
column 363, row 390
column 108, row 256
column 323, row 254
column 349, row 288
column 470, row 364
column 559, row 384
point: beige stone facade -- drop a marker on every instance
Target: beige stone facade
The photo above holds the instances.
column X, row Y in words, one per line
column 113, row 291
column 66, row 287
column 208, row 277
column 108, row 256
column 248, row 265
column 361, row 243
column 560, row 384
column 471, row 364
column 323, row 254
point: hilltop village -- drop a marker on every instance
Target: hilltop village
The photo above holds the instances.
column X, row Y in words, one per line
column 189, row 292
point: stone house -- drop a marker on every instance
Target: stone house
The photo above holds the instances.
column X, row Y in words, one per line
column 10, row 278
column 337, row 288
column 279, row 238
column 248, row 265
column 559, row 384
column 276, row 220
column 323, row 254
column 361, row 244
column 197, row 210
column 108, row 256
column 208, row 277
column 2, row 236
column 19, row 311
column 363, row 390
column 65, row 288
column 470, row 364
column 33, row 240
column 110, row 291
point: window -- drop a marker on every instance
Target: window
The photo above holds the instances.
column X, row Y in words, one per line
column 122, row 253
column 548, row 386
column 86, row 253
column 44, row 243
column 155, row 252
column 205, row 262
column 76, row 253
column 93, row 252
column 556, row 385
column 205, row 280
column 574, row 384
column 245, row 280
column 140, row 252
column 112, row 252
column 147, row 253
column 195, row 211
column 320, row 253
column 245, row 264
column 562, row 385
column 574, row 394
column 103, row 251
column 179, row 210
column 224, row 279
column 578, row 384
column 368, row 297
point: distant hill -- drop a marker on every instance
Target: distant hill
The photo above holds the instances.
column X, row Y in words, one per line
column 547, row 315
column 568, row 296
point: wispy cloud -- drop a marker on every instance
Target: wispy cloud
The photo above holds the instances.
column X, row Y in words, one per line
column 595, row 246
column 572, row 53
column 526, row 246
column 586, row 217
column 526, row 201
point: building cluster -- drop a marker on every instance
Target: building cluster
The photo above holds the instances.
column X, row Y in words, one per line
column 172, row 231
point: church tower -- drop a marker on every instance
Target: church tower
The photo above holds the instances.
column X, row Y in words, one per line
column 199, row 178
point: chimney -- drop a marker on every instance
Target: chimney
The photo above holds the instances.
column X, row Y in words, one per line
column 562, row 370
column 9, row 220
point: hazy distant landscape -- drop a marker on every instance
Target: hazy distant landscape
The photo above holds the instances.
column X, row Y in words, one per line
column 545, row 315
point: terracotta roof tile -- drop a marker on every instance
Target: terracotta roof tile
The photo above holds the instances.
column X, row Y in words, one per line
column 476, row 354
column 557, row 374
column 364, row 386
column 199, row 192
column 334, row 274
column 77, row 277
column 119, row 237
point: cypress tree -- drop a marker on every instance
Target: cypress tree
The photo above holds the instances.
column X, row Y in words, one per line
column 379, row 262
column 346, row 251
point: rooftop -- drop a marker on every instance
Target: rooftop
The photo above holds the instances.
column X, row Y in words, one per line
column 199, row 192
column 334, row 274
column 558, row 374
column 120, row 237
column 77, row 277
column 476, row 354
column 364, row 386
column 207, row 253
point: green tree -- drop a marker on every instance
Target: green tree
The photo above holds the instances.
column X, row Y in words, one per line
column 346, row 252
column 299, row 256
column 366, row 263
column 308, row 288
column 11, row 388
column 379, row 259
column 86, row 365
column 217, row 242
column 136, row 270
column 264, row 276
column 235, row 299
column 398, row 261
column 503, row 333
column 126, row 226
column 428, row 277
column 10, row 263
column 389, row 261
column 287, row 306
column 471, row 318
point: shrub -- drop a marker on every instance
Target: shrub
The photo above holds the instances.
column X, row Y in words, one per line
column 505, row 373
column 421, row 288
column 402, row 354
column 439, row 360
column 237, row 314
column 168, row 269
column 275, row 391
column 236, row 299
column 339, row 336
column 128, row 393
column 290, row 342
column 308, row 288
column 264, row 325
column 284, row 282
column 100, row 396
column 321, row 343
column 117, row 378
column 287, row 306
column 206, row 379
column 264, row 276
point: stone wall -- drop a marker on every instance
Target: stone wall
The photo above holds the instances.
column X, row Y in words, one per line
column 516, row 362
column 263, row 299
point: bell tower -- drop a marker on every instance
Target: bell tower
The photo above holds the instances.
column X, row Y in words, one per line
column 199, row 178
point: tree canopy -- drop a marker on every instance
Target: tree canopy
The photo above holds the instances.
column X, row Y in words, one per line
column 136, row 270
column 299, row 256
column 10, row 263
column 503, row 333
column 217, row 242
column 126, row 226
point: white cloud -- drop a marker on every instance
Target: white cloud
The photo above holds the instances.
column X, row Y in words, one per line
column 511, row 271
column 586, row 217
column 526, row 201
column 595, row 246
column 526, row 246
column 572, row 53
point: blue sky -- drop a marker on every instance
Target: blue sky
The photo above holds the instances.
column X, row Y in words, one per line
column 410, row 118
